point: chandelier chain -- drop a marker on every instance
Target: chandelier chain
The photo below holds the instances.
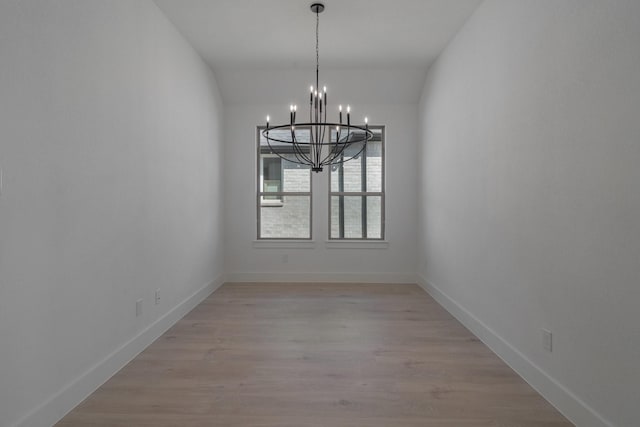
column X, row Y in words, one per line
column 317, row 46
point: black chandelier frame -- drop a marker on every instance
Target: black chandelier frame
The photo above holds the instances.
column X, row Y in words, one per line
column 321, row 149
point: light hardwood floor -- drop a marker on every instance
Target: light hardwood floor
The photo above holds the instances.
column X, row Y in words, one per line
column 316, row 355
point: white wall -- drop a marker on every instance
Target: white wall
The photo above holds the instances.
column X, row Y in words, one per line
column 110, row 142
column 395, row 263
column 530, row 194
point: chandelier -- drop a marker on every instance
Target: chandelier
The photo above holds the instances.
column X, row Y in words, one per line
column 323, row 143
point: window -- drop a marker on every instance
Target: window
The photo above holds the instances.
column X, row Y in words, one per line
column 356, row 191
column 284, row 192
column 356, row 208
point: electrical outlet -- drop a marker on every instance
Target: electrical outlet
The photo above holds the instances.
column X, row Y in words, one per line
column 157, row 296
column 547, row 340
column 138, row 307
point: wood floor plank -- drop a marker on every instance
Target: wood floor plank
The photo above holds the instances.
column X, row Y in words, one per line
column 316, row 355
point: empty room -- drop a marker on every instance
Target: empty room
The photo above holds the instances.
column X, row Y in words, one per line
column 336, row 213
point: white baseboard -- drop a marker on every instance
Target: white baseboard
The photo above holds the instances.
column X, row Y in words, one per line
column 59, row 404
column 322, row 277
column 570, row 405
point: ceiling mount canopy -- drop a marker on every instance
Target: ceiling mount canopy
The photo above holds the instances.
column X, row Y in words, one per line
column 318, row 142
column 317, row 8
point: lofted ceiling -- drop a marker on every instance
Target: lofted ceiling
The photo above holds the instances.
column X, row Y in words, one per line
column 272, row 36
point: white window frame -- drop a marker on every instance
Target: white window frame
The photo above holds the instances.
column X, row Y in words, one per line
column 261, row 202
column 364, row 195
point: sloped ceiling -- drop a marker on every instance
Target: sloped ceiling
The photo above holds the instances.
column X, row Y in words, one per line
column 260, row 40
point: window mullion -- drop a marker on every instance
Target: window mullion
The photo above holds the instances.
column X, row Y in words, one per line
column 363, row 187
column 341, row 199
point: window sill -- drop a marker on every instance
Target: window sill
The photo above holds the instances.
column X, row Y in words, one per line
column 356, row 244
column 284, row 244
column 329, row 244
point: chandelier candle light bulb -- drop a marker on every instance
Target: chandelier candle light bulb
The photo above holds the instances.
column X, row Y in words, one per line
column 324, row 146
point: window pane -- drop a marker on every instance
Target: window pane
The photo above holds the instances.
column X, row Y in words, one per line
column 281, row 147
column 350, row 213
column 272, row 176
column 346, row 217
column 297, row 177
column 291, row 219
column 348, row 176
column 364, row 172
column 272, row 169
column 374, row 166
column 279, row 174
column 374, row 217
column 302, row 135
column 335, row 178
column 352, row 175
